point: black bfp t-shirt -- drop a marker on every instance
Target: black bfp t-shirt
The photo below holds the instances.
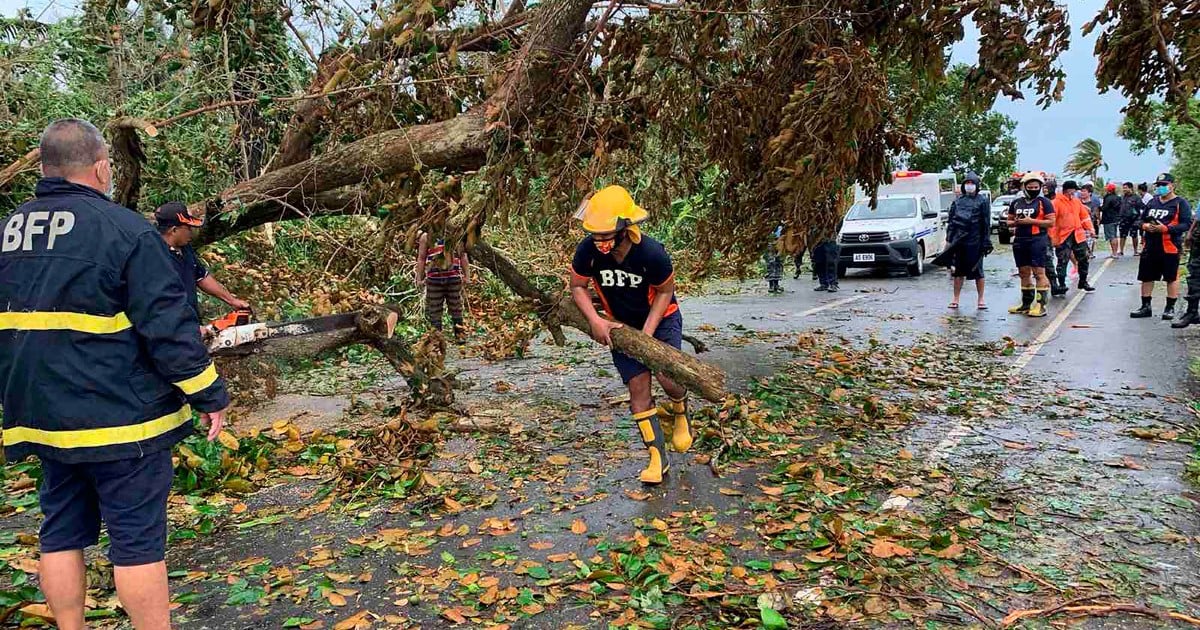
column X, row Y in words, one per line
column 628, row 287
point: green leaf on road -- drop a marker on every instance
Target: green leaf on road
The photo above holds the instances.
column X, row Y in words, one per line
column 772, row 620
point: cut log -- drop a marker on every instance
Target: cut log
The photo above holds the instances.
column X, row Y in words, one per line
column 373, row 326
column 697, row 376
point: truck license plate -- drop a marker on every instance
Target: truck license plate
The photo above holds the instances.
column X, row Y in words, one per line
column 864, row 258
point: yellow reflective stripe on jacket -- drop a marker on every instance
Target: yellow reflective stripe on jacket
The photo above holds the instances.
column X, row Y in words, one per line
column 108, row 436
column 55, row 320
column 198, row 382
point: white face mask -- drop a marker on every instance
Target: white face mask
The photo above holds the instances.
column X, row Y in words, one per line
column 969, row 189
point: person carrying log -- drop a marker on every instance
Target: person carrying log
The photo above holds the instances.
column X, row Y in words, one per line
column 635, row 280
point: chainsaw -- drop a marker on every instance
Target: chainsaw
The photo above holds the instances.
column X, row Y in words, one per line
column 238, row 328
column 234, row 329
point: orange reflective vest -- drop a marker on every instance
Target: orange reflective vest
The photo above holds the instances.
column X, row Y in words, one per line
column 1070, row 217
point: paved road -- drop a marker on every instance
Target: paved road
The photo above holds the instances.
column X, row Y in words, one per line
column 1095, row 346
column 1096, row 496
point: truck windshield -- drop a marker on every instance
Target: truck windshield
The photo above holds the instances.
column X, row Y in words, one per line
column 886, row 209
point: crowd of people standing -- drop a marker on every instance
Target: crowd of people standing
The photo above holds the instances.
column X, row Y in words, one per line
column 1054, row 229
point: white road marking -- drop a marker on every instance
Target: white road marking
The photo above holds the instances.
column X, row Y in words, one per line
column 1049, row 331
column 961, row 430
column 834, row 304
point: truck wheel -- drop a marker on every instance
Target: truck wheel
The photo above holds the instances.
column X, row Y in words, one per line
column 1005, row 237
column 917, row 267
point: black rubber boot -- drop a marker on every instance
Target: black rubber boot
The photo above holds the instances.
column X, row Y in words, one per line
column 1142, row 313
column 1083, row 283
column 1027, row 296
column 1190, row 316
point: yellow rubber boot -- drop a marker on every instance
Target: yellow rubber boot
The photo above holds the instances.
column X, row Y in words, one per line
column 681, row 431
column 1027, row 299
column 1038, row 308
column 665, row 418
column 652, row 437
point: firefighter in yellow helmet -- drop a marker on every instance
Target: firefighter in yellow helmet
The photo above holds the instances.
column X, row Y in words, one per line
column 635, row 282
column 1030, row 217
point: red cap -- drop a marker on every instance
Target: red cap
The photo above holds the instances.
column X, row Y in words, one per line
column 1110, row 187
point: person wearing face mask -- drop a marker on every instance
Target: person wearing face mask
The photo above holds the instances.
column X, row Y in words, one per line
column 1072, row 225
column 1030, row 217
column 1165, row 221
column 635, row 281
column 101, row 367
column 968, row 238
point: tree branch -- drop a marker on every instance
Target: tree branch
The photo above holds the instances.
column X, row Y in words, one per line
column 690, row 372
column 458, row 144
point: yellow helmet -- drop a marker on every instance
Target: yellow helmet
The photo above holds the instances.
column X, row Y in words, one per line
column 609, row 210
column 1034, row 176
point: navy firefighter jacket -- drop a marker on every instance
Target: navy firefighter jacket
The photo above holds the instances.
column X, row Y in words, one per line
column 100, row 354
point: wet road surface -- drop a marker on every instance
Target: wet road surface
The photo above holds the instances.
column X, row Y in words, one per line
column 1100, row 492
column 1103, row 492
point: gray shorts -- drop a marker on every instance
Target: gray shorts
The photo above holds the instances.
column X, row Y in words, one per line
column 1111, row 231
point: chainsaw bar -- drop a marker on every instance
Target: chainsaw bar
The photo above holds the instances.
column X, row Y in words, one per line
column 311, row 326
column 247, row 334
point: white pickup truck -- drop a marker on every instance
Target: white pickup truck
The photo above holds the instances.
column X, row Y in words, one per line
column 907, row 225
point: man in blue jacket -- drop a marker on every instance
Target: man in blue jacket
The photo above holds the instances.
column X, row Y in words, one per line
column 101, row 366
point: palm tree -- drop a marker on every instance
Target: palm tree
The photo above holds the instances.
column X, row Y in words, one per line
column 1087, row 160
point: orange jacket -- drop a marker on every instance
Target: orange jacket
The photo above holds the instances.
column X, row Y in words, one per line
column 1070, row 215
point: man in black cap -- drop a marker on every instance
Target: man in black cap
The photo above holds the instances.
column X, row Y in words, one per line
column 178, row 227
column 1165, row 221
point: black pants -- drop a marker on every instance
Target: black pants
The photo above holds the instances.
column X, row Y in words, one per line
column 825, row 262
column 1063, row 253
column 1193, row 273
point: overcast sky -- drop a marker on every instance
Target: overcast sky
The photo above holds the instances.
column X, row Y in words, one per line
column 1045, row 138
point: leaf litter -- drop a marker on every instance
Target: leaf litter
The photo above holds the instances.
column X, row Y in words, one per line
column 823, row 514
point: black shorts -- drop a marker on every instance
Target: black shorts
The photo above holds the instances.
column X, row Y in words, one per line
column 669, row 331
column 1155, row 266
column 1127, row 229
column 129, row 495
column 1031, row 251
column 968, row 261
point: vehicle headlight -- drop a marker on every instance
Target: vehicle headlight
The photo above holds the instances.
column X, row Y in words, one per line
column 901, row 235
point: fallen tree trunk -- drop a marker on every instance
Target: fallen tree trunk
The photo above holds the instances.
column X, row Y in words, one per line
column 351, row 200
column 374, row 326
column 459, row 144
column 692, row 373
